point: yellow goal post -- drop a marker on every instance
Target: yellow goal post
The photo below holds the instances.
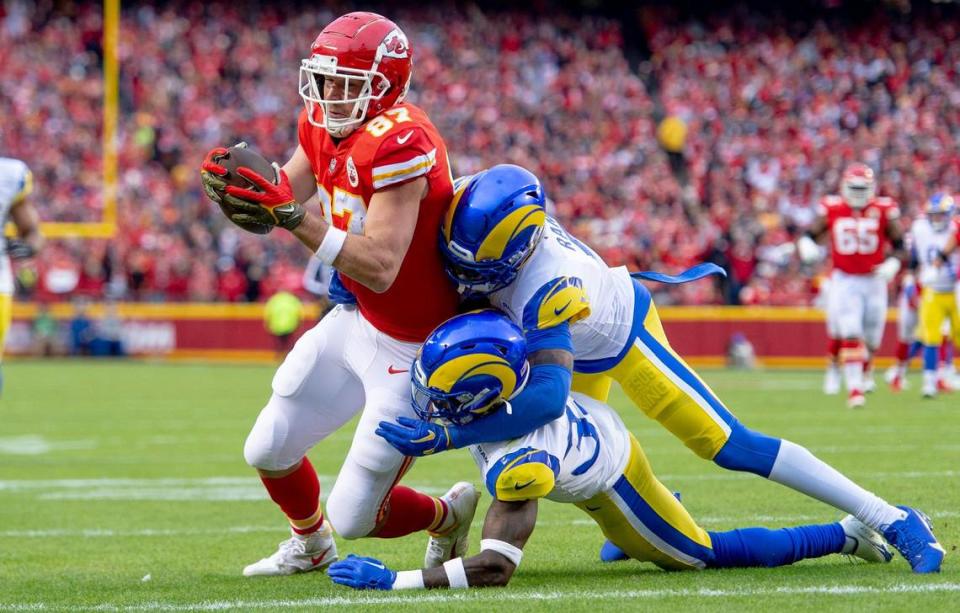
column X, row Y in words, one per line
column 107, row 226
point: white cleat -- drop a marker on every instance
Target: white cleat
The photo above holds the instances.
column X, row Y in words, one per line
column 462, row 501
column 869, row 385
column 831, row 381
column 856, row 400
column 298, row 554
column 929, row 390
column 863, row 542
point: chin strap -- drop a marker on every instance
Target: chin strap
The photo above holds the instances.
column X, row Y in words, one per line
column 691, row 274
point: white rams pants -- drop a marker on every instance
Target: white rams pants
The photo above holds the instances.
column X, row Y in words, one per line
column 857, row 307
column 907, row 319
column 340, row 367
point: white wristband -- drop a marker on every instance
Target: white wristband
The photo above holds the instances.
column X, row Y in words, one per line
column 456, row 574
column 331, row 245
column 514, row 554
column 408, row 580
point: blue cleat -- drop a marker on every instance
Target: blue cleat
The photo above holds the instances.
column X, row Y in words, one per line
column 913, row 537
column 611, row 553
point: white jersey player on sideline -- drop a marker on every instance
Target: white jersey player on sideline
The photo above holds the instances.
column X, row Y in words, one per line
column 938, row 302
column 16, row 183
column 860, row 226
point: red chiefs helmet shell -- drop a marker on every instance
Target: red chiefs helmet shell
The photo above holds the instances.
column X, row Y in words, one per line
column 373, row 57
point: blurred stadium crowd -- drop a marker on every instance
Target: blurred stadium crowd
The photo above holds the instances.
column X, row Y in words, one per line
column 764, row 112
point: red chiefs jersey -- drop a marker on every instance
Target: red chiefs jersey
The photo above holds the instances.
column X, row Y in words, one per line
column 858, row 237
column 393, row 148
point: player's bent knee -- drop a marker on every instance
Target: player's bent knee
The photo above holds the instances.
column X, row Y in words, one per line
column 264, row 453
column 748, row 451
column 349, row 519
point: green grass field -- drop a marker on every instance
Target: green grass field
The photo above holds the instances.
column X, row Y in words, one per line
column 123, row 487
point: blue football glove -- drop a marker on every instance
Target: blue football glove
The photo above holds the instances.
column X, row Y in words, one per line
column 337, row 293
column 362, row 573
column 415, row 437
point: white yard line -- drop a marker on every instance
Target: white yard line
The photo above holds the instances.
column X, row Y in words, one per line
column 47, row 486
column 499, row 596
column 279, row 528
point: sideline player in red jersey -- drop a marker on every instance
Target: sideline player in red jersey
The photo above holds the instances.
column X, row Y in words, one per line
column 380, row 170
column 861, row 225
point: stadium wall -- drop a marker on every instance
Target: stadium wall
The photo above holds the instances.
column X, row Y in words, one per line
column 783, row 337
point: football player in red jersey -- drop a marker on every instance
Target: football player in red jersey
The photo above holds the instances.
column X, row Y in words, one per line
column 861, row 227
column 380, row 170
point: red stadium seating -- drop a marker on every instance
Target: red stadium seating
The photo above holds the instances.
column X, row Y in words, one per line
column 774, row 112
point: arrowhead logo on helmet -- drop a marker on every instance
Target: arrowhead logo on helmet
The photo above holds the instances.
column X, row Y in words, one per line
column 394, row 45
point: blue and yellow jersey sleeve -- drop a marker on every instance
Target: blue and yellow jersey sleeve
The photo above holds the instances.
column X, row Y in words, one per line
column 562, row 300
column 524, row 474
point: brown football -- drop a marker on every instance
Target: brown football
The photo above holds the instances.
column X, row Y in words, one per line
column 237, row 157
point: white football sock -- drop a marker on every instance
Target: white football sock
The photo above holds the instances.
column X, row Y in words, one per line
column 800, row 470
column 853, row 374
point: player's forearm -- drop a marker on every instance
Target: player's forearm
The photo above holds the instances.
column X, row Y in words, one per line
column 542, row 401
column 817, row 230
column 948, row 248
column 506, row 529
column 366, row 261
column 359, row 257
column 487, row 569
column 33, row 238
column 27, row 221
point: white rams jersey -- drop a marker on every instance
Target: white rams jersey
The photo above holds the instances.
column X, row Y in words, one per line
column 16, row 182
column 927, row 244
column 586, row 450
column 564, row 280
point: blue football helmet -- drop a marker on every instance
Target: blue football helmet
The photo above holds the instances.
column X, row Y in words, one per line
column 494, row 222
column 468, row 366
column 940, row 208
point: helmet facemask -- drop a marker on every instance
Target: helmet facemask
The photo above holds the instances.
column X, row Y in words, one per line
column 458, row 407
column 857, row 191
column 487, row 276
column 939, row 220
column 360, row 88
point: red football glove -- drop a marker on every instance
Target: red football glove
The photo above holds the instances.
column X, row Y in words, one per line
column 274, row 204
column 211, row 175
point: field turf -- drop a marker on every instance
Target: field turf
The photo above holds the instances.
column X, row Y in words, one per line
column 123, row 487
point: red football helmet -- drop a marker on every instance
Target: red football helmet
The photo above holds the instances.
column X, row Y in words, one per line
column 372, row 56
column 857, row 185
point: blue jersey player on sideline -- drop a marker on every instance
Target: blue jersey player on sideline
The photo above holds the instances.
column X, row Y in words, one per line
column 586, row 325
column 468, row 370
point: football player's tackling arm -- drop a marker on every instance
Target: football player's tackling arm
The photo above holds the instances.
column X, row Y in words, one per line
column 506, row 529
column 374, row 257
column 541, row 401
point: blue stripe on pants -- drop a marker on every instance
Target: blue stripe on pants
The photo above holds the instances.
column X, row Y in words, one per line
column 658, row 525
